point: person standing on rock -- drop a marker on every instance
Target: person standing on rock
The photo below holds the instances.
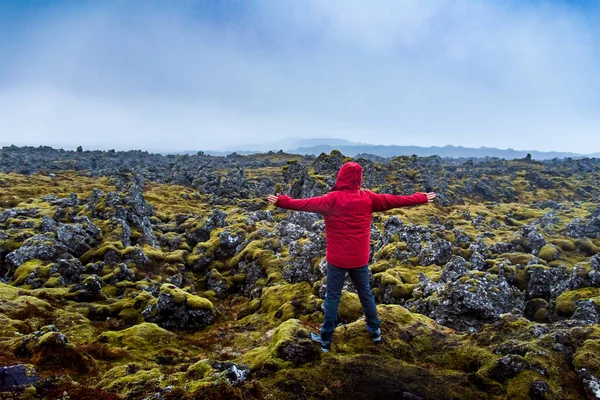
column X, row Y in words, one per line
column 347, row 210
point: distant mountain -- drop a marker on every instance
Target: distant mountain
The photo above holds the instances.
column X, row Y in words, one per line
column 446, row 151
column 285, row 144
column 316, row 146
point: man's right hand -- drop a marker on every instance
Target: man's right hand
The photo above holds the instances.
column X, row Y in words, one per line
column 430, row 197
column 273, row 199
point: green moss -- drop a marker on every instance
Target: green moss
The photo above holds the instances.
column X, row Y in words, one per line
column 131, row 381
column 587, row 247
column 199, row 370
column 465, row 357
column 144, row 336
column 281, row 302
column 588, row 356
column 109, row 290
column 350, row 308
column 548, row 253
column 98, row 252
column 129, row 309
column 379, row 266
column 10, row 328
column 257, row 250
column 180, row 296
column 564, row 244
column 27, row 268
column 268, row 357
column 177, row 256
column 8, row 292
column 364, row 376
column 517, row 258
column 565, row 303
column 53, row 282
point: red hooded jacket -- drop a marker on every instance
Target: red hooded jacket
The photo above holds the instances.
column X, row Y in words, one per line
column 347, row 210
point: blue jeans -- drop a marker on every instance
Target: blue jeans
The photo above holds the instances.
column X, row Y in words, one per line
column 335, row 281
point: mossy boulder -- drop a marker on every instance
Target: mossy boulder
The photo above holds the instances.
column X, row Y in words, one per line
column 290, row 345
column 566, row 302
column 588, row 356
column 177, row 309
column 281, row 302
column 548, row 253
column 49, row 348
column 30, row 270
column 350, row 308
column 537, row 310
column 142, row 337
column 132, row 380
column 199, row 370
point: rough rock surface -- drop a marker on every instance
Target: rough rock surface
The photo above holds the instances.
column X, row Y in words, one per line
column 466, row 303
column 170, row 313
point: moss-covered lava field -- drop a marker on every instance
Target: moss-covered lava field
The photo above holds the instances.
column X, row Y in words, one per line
column 128, row 275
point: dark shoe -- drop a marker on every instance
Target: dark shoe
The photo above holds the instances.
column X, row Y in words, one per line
column 325, row 344
column 375, row 334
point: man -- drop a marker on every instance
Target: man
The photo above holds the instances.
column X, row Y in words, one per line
column 347, row 210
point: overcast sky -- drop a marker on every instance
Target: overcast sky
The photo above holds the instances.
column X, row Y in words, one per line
column 192, row 74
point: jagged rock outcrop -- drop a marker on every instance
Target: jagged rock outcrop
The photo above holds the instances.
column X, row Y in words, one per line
column 465, row 301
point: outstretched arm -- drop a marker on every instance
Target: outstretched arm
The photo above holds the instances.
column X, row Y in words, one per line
column 319, row 204
column 382, row 202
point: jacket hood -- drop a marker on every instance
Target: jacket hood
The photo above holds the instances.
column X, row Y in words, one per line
column 349, row 177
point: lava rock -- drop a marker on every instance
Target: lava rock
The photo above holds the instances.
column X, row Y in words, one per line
column 591, row 384
column 588, row 311
column 299, row 351
column 70, row 270
column 17, row 212
column 508, row 367
column 438, row 252
column 477, row 262
column 48, row 224
column 171, row 311
column 532, row 240
column 43, row 247
column 90, row 289
column 75, row 238
column 234, row 374
column 454, row 270
column 216, row 219
column 544, row 282
column 466, row 304
column 584, row 228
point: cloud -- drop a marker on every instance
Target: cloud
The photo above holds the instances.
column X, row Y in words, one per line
column 183, row 75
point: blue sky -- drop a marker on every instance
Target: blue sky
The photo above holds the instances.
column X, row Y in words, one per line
column 190, row 74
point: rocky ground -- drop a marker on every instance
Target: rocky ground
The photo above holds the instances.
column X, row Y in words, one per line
column 139, row 276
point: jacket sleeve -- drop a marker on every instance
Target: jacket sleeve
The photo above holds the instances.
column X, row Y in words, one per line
column 382, row 202
column 319, row 204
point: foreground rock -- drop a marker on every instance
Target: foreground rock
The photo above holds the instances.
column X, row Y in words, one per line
column 176, row 309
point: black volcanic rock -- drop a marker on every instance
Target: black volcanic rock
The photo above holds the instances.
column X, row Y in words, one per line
column 584, row 228
column 177, row 310
column 466, row 304
column 43, row 247
column 298, row 183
